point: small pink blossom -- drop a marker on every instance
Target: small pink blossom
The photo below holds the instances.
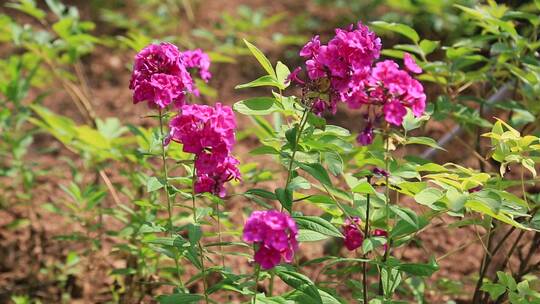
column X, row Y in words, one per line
column 197, row 59
column 353, row 236
column 410, row 64
column 274, row 233
column 293, row 76
column 394, row 112
column 366, row 136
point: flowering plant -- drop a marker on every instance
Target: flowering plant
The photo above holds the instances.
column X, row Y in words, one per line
column 324, row 188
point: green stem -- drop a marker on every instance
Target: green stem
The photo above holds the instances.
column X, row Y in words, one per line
column 303, row 121
column 169, row 201
column 477, row 296
column 386, row 203
column 220, row 237
column 257, row 273
column 201, row 251
column 364, row 264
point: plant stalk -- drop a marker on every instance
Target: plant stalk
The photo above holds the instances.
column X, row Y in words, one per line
column 169, row 201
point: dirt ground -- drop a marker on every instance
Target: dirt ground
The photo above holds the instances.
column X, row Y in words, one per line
column 27, row 251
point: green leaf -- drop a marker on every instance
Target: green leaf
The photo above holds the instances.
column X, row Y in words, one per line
column 305, row 235
column 153, row 184
column 256, row 106
column 299, row 297
column 422, row 270
column 364, row 187
column 406, row 214
column 261, row 58
column 494, row 290
column 282, row 72
column 262, row 193
column 264, row 150
column 28, row 7
column 194, row 233
column 507, row 280
column 428, row 196
column 428, row 46
column 179, row 298
column 263, row 81
column 404, row 228
column 316, row 121
column 318, row 224
column 402, row 29
column 456, row 199
column 285, row 197
column 291, row 135
column 318, row 172
column 411, row 122
column 300, row 282
column 299, row 183
column 528, row 164
column 426, row 141
column 334, row 162
column 390, row 279
column 372, row 242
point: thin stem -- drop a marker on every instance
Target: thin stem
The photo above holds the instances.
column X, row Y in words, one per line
column 386, row 203
column 483, row 267
column 364, row 264
column 303, row 121
column 257, row 273
column 201, row 251
column 165, row 173
column 169, row 201
column 220, row 237
column 505, row 262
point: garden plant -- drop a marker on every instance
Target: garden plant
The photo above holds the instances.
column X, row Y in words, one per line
column 335, row 174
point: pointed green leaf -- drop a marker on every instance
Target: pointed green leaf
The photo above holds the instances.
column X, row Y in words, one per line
column 265, row 63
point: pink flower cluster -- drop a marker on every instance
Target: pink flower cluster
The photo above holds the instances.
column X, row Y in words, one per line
column 161, row 77
column 208, row 132
column 392, row 88
column 347, row 57
column 345, row 70
column 275, row 234
column 354, row 237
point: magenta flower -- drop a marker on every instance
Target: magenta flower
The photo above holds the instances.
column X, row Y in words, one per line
column 366, row 136
column 202, row 127
column 410, row 64
column 160, row 76
column 353, row 236
column 337, row 67
column 274, row 233
column 215, row 177
column 197, row 59
column 395, row 89
column 208, row 132
column 394, row 112
column 381, row 172
column 293, row 76
column 344, row 70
